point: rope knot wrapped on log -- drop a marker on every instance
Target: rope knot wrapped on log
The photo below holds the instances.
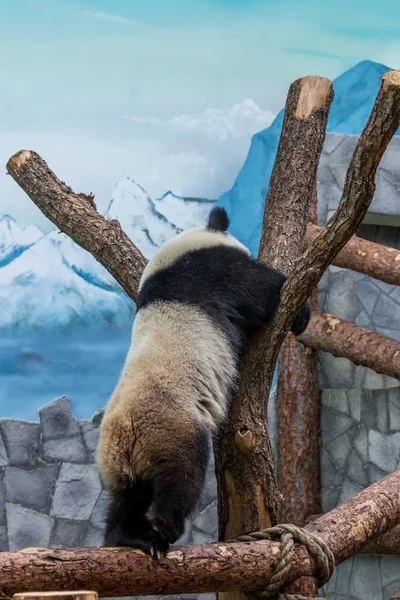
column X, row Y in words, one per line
column 287, row 535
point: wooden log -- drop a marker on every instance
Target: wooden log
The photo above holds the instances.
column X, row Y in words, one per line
column 298, row 412
column 76, row 215
column 362, row 347
column 363, row 256
column 114, row 572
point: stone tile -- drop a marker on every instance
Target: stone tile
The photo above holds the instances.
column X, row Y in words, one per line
column 207, row 520
column 390, row 570
column 375, row 474
column 365, row 580
column 330, row 475
column 386, row 311
column 77, row 490
column 68, row 534
column 99, row 512
column 394, row 411
column 356, row 471
column 70, row 449
column 384, row 450
column 349, row 489
column 339, row 450
column 93, row 538
column 199, row 537
column 3, row 452
column 333, row 425
column 335, row 400
column 91, row 438
column 32, row 488
column 343, row 576
column 2, row 499
column 58, row 420
column 27, row 528
column 368, row 294
column 354, row 398
column 97, row 417
column 369, row 410
column 329, row 498
column 341, row 300
column 3, row 539
column 22, row 441
column 360, row 443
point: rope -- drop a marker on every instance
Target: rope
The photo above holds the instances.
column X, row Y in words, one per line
column 287, row 535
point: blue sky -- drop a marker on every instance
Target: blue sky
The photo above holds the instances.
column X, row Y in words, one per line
column 160, row 91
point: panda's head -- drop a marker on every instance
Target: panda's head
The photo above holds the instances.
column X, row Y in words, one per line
column 213, row 233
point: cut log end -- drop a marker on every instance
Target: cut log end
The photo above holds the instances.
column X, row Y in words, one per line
column 315, row 92
column 19, row 160
column 391, row 79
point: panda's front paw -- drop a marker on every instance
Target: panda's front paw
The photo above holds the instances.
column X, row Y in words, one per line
column 151, row 542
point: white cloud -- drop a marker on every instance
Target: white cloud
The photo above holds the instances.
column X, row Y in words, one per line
column 239, row 122
column 121, row 20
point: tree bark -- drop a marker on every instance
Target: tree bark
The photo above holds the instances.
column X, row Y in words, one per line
column 298, row 411
column 248, row 499
column 114, row 572
column 362, row 347
column 388, row 543
column 363, row 256
column 395, row 595
column 76, row 215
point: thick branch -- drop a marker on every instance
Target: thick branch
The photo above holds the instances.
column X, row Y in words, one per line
column 195, row 569
column 248, row 498
column 76, row 215
column 362, row 347
column 357, row 195
column 365, row 257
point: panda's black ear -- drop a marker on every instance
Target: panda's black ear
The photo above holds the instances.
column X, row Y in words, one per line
column 218, row 219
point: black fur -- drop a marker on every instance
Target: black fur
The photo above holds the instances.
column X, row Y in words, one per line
column 239, row 293
column 218, row 219
column 150, row 514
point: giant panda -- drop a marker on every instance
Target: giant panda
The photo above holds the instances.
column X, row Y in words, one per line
column 200, row 298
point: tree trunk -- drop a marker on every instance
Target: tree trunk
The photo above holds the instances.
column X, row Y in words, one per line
column 362, row 347
column 247, row 493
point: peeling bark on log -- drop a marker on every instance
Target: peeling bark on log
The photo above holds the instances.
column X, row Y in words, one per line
column 248, row 499
column 365, row 257
column 388, row 543
column 362, row 347
column 76, row 215
column 114, row 572
column 396, row 595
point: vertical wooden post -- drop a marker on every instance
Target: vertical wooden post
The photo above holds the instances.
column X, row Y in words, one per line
column 298, row 396
column 298, row 405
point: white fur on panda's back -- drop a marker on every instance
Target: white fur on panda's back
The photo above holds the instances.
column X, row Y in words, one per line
column 187, row 241
column 179, row 346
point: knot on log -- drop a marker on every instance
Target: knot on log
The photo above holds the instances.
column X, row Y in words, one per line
column 245, row 441
column 288, row 534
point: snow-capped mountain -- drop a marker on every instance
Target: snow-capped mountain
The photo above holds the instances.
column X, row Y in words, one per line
column 44, row 288
column 14, row 238
column 49, row 282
